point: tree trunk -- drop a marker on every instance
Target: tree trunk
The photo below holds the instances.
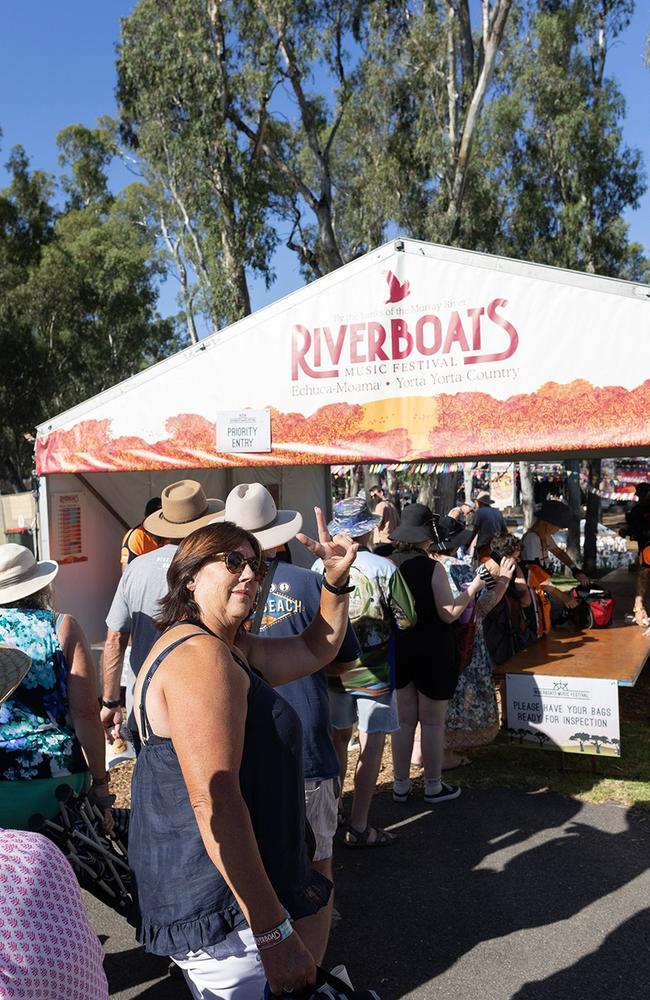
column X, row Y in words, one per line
column 527, row 494
column 494, row 25
column 468, row 479
column 236, row 272
column 592, row 518
column 575, row 506
column 368, row 479
column 445, row 488
column 427, row 492
column 355, row 474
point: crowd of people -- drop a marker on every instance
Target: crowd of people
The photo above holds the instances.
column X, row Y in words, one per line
column 250, row 677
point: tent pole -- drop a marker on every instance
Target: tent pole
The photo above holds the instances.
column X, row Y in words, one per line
column 97, row 495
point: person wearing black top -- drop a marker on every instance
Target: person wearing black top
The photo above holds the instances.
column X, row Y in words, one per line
column 217, row 836
column 425, row 662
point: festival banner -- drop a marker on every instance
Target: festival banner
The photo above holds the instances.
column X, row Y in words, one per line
column 404, row 355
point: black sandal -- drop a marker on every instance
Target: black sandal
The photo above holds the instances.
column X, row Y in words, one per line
column 361, row 838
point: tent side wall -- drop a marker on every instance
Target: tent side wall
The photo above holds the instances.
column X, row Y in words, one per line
column 84, row 536
column 81, row 588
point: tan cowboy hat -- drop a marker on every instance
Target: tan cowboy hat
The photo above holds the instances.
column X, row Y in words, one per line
column 14, row 665
column 251, row 506
column 185, row 508
column 20, row 574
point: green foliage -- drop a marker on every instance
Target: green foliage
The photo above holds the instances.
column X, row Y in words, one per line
column 78, row 302
column 572, row 175
column 549, row 176
column 345, row 122
column 178, row 87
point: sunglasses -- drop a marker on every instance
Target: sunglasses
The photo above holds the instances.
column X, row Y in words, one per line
column 235, row 563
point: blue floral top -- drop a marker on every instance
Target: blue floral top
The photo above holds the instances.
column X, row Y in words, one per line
column 37, row 738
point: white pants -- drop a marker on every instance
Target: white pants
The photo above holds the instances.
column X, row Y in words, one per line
column 230, row 970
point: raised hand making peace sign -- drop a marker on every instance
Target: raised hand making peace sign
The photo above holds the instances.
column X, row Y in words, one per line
column 337, row 553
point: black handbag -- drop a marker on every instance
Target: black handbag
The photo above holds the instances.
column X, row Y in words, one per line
column 329, row 987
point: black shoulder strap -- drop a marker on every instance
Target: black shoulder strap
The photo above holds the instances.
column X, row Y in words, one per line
column 145, row 729
column 262, row 596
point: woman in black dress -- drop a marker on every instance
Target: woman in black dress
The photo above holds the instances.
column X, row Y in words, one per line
column 426, row 673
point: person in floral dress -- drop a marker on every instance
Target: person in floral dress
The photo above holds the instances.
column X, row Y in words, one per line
column 50, row 731
column 472, row 715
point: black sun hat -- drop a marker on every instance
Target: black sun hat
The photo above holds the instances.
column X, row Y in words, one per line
column 417, row 524
column 451, row 535
column 555, row 512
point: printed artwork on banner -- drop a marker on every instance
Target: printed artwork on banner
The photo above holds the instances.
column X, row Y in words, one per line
column 572, row 714
column 398, row 356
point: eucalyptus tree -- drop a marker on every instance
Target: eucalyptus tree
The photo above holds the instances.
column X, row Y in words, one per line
column 78, row 298
column 179, row 84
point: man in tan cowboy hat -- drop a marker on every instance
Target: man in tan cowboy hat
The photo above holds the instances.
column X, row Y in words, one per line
column 184, row 508
column 289, row 599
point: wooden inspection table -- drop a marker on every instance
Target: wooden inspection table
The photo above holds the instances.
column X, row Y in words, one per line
column 616, row 653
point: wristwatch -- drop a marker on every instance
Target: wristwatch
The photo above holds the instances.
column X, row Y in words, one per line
column 111, row 704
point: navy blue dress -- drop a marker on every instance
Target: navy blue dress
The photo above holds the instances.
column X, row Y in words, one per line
column 183, row 902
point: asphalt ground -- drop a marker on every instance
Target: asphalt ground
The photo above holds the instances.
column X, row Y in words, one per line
column 498, row 895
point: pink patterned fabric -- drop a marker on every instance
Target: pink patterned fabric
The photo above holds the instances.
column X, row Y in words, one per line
column 48, row 950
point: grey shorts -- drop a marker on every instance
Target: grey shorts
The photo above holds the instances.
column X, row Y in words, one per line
column 373, row 715
column 321, row 811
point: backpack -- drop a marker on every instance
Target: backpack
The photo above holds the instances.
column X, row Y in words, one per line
column 498, row 632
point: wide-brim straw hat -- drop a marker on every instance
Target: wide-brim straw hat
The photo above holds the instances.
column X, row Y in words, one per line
column 251, row 506
column 20, row 573
column 14, row 665
column 184, row 508
column 352, row 517
column 417, row 525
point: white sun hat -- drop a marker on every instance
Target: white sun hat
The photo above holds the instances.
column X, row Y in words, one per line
column 251, row 506
column 20, row 574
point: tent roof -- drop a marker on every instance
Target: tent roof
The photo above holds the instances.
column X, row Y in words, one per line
column 389, row 358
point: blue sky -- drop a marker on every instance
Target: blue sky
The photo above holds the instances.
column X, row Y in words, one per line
column 57, row 67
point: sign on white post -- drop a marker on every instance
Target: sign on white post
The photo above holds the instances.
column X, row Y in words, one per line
column 572, row 714
column 502, row 484
column 247, row 431
column 69, row 528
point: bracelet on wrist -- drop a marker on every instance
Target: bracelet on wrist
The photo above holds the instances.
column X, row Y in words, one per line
column 107, row 703
column 345, row 588
column 269, row 939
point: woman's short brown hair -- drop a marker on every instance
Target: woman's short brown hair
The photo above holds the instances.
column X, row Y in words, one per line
column 505, row 545
column 195, row 551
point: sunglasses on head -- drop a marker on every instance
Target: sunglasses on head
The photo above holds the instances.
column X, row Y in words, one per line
column 235, row 563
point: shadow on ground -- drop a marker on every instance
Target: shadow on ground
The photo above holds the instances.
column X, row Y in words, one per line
column 472, row 871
